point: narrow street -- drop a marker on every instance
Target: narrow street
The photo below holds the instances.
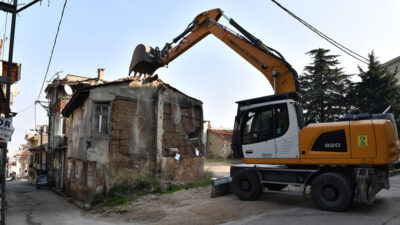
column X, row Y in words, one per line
column 27, row 205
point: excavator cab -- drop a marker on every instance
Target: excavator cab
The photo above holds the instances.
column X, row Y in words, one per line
column 266, row 127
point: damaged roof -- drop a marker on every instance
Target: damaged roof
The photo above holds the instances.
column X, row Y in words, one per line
column 83, row 93
column 74, row 81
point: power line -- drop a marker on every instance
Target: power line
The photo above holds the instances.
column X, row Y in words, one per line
column 324, row 36
column 26, row 109
column 52, row 50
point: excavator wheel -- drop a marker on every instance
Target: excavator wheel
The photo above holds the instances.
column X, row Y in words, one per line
column 246, row 185
column 332, row 192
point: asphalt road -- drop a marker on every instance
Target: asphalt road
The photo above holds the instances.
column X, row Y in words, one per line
column 27, row 205
column 384, row 211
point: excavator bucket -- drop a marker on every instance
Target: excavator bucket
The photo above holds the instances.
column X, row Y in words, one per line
column 145, row 60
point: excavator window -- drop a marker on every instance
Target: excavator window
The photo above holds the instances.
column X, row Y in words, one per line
column 259, row 125
column 282, row 119
column 265, row 123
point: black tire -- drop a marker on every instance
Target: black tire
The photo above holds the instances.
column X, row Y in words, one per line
column 246, row 185
column 275, row 187
column 332, row 192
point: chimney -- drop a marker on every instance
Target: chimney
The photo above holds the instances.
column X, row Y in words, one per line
column 100, row 73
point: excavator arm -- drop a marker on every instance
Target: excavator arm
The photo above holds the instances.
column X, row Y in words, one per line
column 280, row 74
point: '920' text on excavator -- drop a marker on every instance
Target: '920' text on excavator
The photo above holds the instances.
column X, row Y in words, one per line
column 343, row 162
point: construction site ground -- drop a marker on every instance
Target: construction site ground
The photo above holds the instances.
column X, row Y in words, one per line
column 195, row 206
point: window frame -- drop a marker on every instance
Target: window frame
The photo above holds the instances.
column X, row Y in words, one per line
column 259, row 110
column 276, row 119
column 60, row 126
column 97, row 123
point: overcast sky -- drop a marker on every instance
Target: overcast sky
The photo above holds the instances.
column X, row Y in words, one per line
column 103, row 34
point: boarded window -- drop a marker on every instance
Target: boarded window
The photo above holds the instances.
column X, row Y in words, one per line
column 72, row 171
column 84, row 174
column 64, row 126
column 101, row 118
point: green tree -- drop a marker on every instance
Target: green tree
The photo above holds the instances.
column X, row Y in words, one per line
column 377, row 89
column 324, row 87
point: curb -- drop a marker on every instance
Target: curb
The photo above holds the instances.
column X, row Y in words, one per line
column 394, row 172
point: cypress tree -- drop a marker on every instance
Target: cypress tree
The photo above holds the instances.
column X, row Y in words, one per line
column 324, row 87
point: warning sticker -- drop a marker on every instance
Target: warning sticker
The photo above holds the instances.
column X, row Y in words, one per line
column 362, row 141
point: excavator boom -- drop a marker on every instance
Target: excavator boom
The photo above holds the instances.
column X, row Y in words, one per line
column 146, row 60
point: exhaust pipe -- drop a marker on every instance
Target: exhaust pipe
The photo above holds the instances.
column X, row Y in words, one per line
column 145, row 60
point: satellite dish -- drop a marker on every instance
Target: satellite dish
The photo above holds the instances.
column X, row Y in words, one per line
column 68, row 89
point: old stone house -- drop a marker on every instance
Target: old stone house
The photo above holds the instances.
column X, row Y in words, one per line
column 131, row 126
column 38, row 154
column 59, row 92
column 219, row 143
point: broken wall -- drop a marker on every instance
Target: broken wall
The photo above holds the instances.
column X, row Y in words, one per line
column 150, row 127
column 182, row 126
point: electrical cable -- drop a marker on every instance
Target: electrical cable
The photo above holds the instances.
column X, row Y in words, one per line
column 25, row 109
column 52, row 50
column 324, row 36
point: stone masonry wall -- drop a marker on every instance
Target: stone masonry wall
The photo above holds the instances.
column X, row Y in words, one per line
column 182, row 134
column 132, row 139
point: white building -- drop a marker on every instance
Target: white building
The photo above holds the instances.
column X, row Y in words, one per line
column 391, row 65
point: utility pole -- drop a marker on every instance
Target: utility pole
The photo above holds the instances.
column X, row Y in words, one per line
column 8, row 8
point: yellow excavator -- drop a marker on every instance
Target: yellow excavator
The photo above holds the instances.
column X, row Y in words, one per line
column 343, row 161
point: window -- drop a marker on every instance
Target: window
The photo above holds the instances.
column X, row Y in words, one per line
column 300, row 116
column 37, row 158
column 282, row 119
column 101, row 118
column 258, row 126
column 72, row 170
column 64, row 126
column 60, row 126
column 84, row 174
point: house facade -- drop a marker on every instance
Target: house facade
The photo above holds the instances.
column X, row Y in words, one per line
column 393, row 65
column 219, row 143
column 130, row 127
column 59, row 92
column 37, row 153
column 21, row 159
